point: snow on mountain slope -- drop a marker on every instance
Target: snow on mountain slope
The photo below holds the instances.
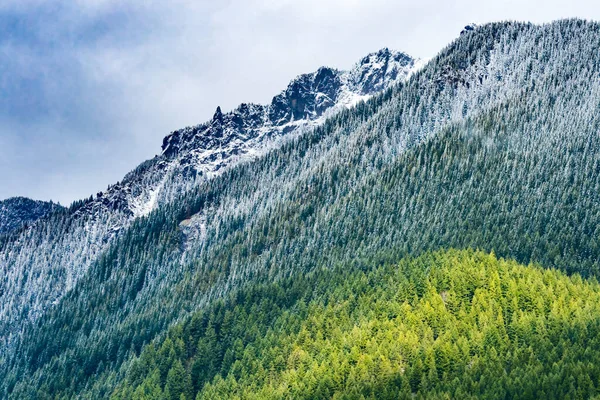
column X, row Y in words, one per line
column 46, row 260
column 19, row 211
column 199, row 152
column 309, row 99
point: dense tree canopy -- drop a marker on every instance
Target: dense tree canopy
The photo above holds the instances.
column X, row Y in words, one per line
column 455, row 324
column 494, row 145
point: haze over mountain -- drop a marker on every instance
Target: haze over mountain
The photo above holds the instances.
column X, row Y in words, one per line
column 439, row 239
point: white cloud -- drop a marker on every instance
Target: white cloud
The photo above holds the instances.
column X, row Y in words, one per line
column 107, row 79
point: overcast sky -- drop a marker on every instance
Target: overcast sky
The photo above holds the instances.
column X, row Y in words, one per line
column 88, row 88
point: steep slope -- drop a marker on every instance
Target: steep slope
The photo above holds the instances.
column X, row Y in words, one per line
column 17, row 212
column 444, row 325
column 44, row 262
column 494, row 144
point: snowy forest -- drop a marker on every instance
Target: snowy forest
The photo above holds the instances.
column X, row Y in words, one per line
column 438, row 240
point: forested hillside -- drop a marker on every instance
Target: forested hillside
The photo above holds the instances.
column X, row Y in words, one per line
column 444, row 325
column 493, row 145
column 42, row 263
column 18, row 212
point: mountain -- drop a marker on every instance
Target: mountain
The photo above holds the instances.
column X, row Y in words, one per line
column 193, row 154
column 492, row 145
column 306, row 102
column 17, row 212
column 444, row 325
column 42, row 263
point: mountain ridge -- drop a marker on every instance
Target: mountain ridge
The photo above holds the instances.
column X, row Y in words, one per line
column 493, row 145
column 251, row 129
column 17, row 212
column 190, row 156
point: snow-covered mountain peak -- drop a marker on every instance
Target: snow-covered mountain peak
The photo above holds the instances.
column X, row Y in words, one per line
column 376, row 70
column 189, row 157
column 195, row 153
column 305, row 101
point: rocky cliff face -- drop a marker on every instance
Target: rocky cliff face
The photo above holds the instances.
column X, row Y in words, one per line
column 195, row 153
column 307, row 99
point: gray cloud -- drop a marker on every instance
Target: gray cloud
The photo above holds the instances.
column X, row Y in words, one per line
column 89, row 88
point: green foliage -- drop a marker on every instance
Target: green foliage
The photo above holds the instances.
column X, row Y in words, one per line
column 516, row 172
column 454, row 324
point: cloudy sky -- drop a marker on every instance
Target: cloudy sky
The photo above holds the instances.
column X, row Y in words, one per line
column 88, row 88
